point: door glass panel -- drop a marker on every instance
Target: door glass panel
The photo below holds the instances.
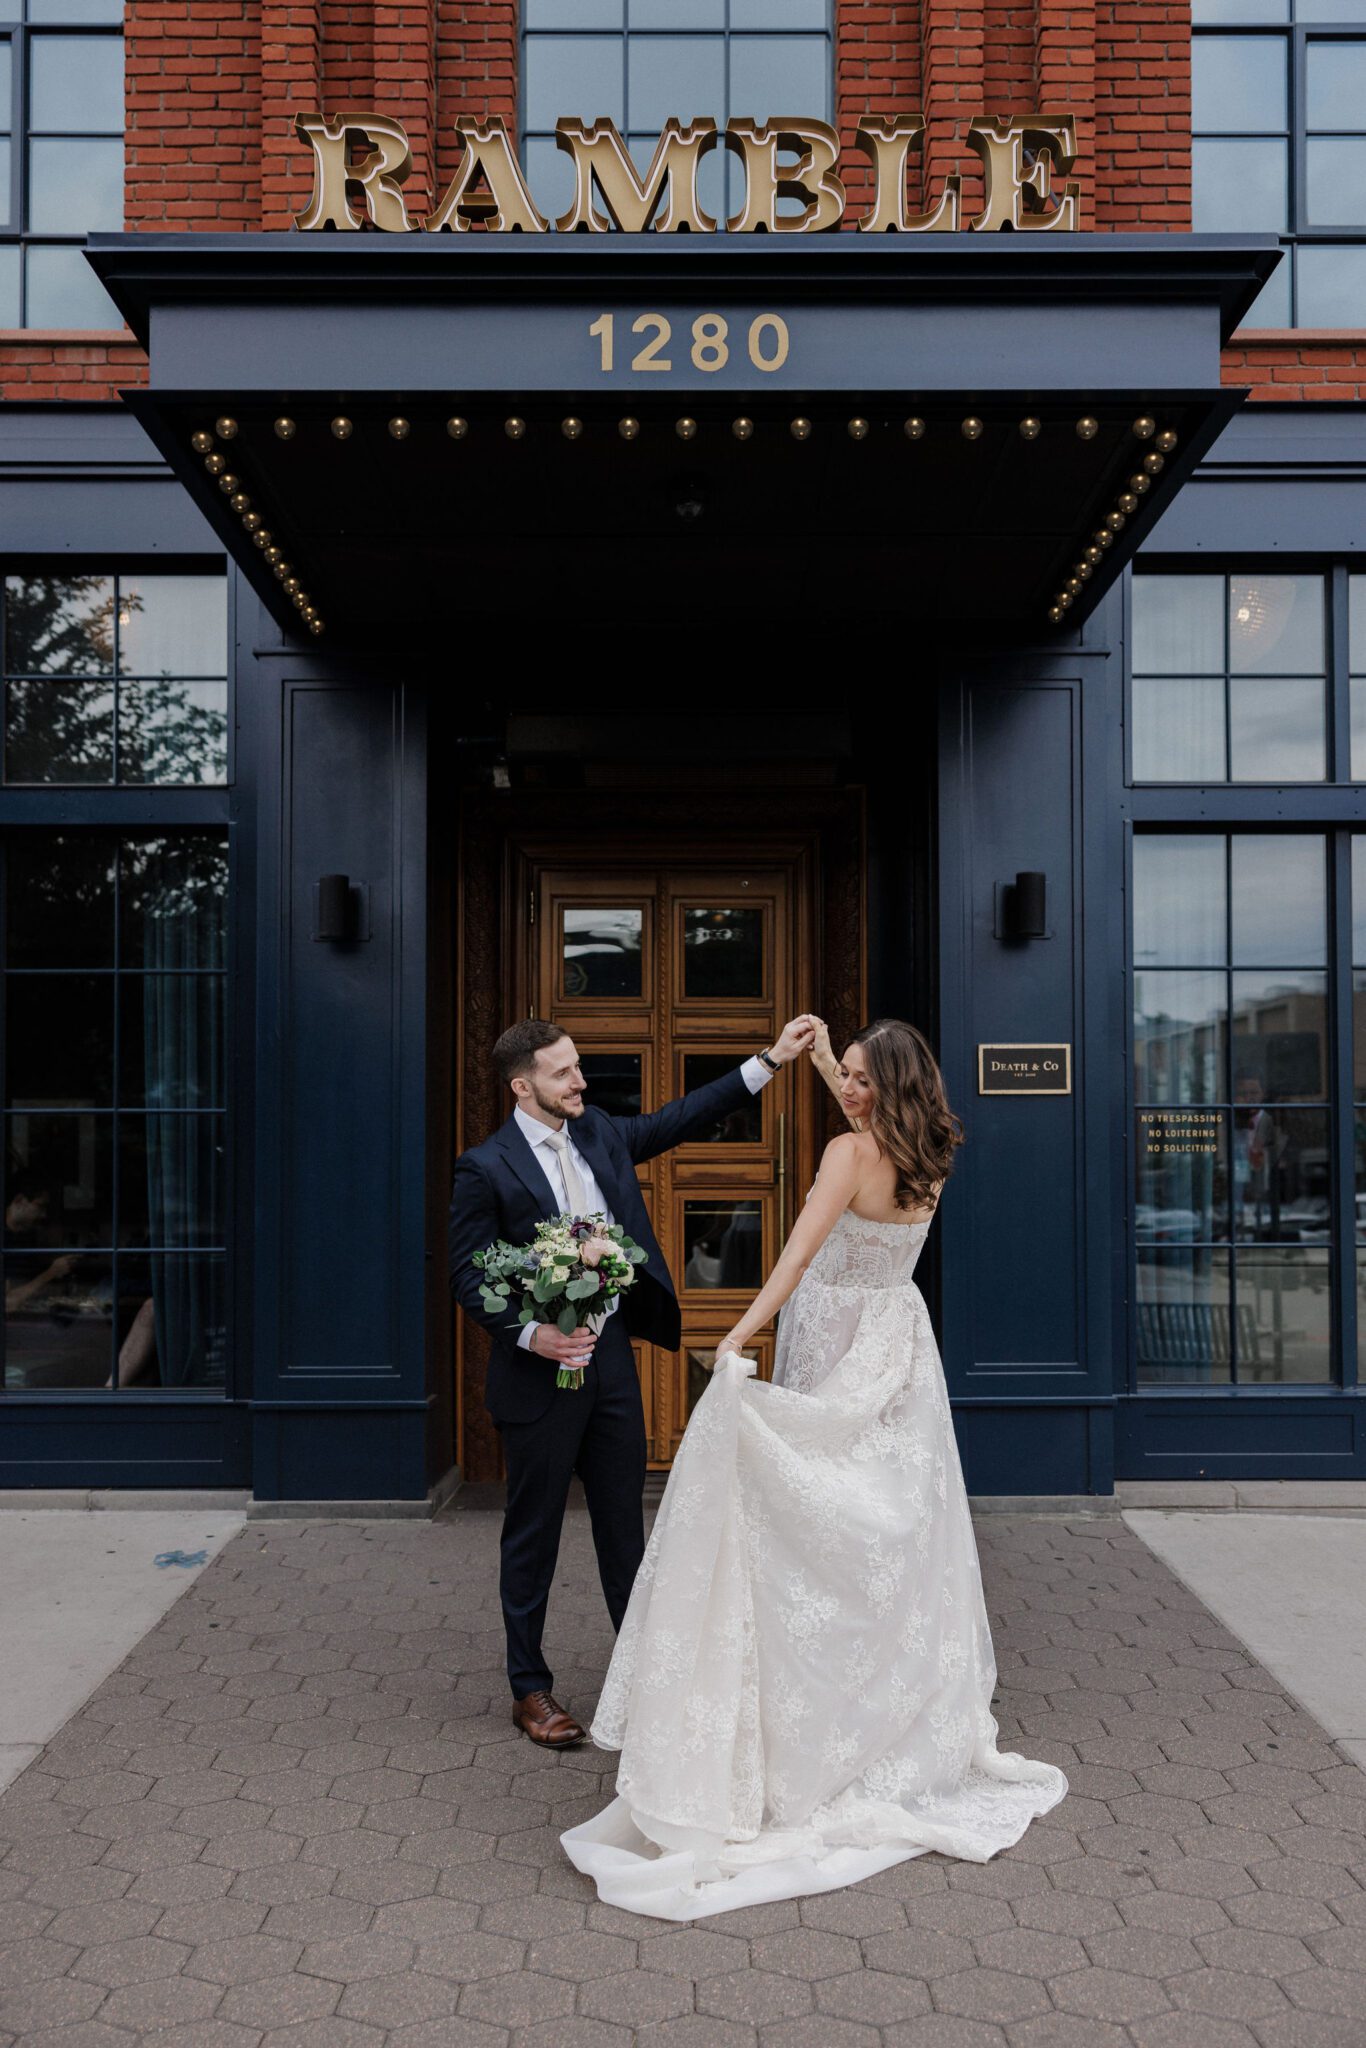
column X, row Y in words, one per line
column 1179, row 900
column 1279, row 902
column 58, row 1321
column 1284, row 1318
column 1179, row 1024
column 1182, row 1191
column 1178, row 728
column 1275, row 625
column 613, row 1081
column 171, row 1322
column 1183, row 1318
column 1282, row 1185
column 741, row 1126
column 723, row 954
column 602, row 952
column 700, row 1363
column 59, row 1180
column 722, row 1244
column 1280, row 1035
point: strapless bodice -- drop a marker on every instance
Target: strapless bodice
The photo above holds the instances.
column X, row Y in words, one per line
column 858, row 1253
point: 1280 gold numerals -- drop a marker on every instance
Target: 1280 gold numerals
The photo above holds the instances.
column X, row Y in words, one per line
column 766, row 340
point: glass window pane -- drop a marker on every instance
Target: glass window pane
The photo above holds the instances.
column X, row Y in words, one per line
column 572, row 75
column 1178, row 625
column 1358, row 710
column 1180, row 1021
column 1236, row 12
column 538, row 14
column 75, row 184
column 1335, row 87
column 1359, row 899
column 683, row 75
column 6, row 82
column 5, row 166
column 1359, row 1038
column 742, row 1126
column 1271, row 307
column 173, row 625
column 602, row 952
column 1184, row 1324
column 1178, row 729
column 1335, row 188
column 1331, row 285
column 1278, row 900
column 1282, row 1186
column 59, row 899
column 59, row 732
column 59, row 1041
column 1181, row 1158
column 59, row 625
column 173, row 901
column 1280, row 1037
column 58, row 1322
column 61, row 290
column 785, row 14
column 613, row 1081
column 777, row 75
column 1239, row 185
column 82, row 11
column 1356, row 617
column 550, row 175
column 1276, row 729
column 666, row 14
column 172, row 1034
column 173, row 732
column 171, row 1325
column 1179, row 900
column 1285, row 1319
column 723, row 954
column 171, row 1180
column 61, row 1169
column 1275, row 625
column 1330, row 10
column 1238, row 84
column 76, row 85
column 9, row 284
column 722, row 1244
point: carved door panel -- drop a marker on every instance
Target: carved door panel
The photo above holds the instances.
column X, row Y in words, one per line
column 667, row 975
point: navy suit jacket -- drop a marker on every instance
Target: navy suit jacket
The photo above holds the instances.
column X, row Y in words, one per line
column 501, row 1191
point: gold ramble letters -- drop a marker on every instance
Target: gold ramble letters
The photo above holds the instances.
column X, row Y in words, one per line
column 361, row 160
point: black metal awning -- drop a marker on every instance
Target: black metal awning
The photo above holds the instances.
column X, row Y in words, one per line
column 432, row 429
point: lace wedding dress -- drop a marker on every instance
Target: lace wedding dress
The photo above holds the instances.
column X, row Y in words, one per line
column 801, row 1689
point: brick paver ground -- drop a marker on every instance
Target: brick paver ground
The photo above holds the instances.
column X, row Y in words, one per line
column 299, row 1816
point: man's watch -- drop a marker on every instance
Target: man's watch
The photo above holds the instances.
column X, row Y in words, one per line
column 774, row 1066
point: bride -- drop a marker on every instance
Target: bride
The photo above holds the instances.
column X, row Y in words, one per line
column 801, row 1689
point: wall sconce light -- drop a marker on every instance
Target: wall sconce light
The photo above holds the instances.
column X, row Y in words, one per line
column 341, row 909
column 1022, row 906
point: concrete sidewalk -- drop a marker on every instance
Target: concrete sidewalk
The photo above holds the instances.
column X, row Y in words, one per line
column 298, row 1815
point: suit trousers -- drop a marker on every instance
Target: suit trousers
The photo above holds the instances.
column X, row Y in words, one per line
column 598, row 1432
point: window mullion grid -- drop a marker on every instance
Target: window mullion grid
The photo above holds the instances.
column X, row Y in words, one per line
column 1226, row 1076
column 1341, row 1124
column 115, row 1131
column 4, row 1087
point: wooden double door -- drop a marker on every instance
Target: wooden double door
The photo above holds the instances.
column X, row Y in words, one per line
column 668, row 973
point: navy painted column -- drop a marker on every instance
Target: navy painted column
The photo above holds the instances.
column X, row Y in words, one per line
column 1026, row 1228
column 338, row 1400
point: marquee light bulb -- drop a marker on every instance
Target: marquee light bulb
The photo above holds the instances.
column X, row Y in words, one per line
column 742, row 429
column 1030, row 429
column 342, row 429
column 685, row 429
column 914, row 430
column 1166, row 441
column 201, row 442
column 1087, row 428
column 972, row 429
column 857, row 430
column 628, row 429
column 514, row 428
column 1153, row 464
column 571, row 428
column 800, row 430
column 285, row 429
column 215, row 464
column 1145, row 428
column 457, row 428
column 399, row 428
column 226, row 428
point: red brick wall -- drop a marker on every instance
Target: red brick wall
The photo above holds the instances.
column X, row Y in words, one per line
column 214, row 85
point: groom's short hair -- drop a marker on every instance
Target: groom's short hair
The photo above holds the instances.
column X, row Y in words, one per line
column 515, row 1053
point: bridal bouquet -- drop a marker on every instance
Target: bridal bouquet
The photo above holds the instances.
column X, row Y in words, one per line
column 567, row 1275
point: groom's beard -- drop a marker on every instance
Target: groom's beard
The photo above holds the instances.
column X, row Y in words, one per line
column 557, row 1105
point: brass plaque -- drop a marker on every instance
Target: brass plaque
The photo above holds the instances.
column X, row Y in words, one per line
column 1024, row 1070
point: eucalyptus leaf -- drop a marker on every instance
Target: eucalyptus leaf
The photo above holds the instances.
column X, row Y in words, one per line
column 567, row 1322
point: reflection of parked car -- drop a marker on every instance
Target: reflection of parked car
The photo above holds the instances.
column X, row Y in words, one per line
column 1168, row 1226
column 1307, row 1222
column 1361, row 1215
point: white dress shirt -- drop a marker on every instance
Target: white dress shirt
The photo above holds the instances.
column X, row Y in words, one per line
column 756, row 1076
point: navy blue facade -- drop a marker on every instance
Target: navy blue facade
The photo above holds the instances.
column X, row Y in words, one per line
column 340, row 1376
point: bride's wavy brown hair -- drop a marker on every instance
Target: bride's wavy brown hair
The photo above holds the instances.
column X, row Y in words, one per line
column 911, row 1119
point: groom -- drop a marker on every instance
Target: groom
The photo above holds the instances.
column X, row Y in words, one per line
column 554, row 1154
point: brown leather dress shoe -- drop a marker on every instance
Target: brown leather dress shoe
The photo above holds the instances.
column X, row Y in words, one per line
column 546, row 1721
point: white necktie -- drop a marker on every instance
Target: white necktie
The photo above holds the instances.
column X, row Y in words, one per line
column 573, row 1186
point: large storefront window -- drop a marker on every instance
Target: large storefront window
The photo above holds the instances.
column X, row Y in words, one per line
column 1233, row 1143
column 1359, row 1085
column 635, row 62
column 118, row 679
column 61, row 157
column 114, row 1214
column 1279, row 120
